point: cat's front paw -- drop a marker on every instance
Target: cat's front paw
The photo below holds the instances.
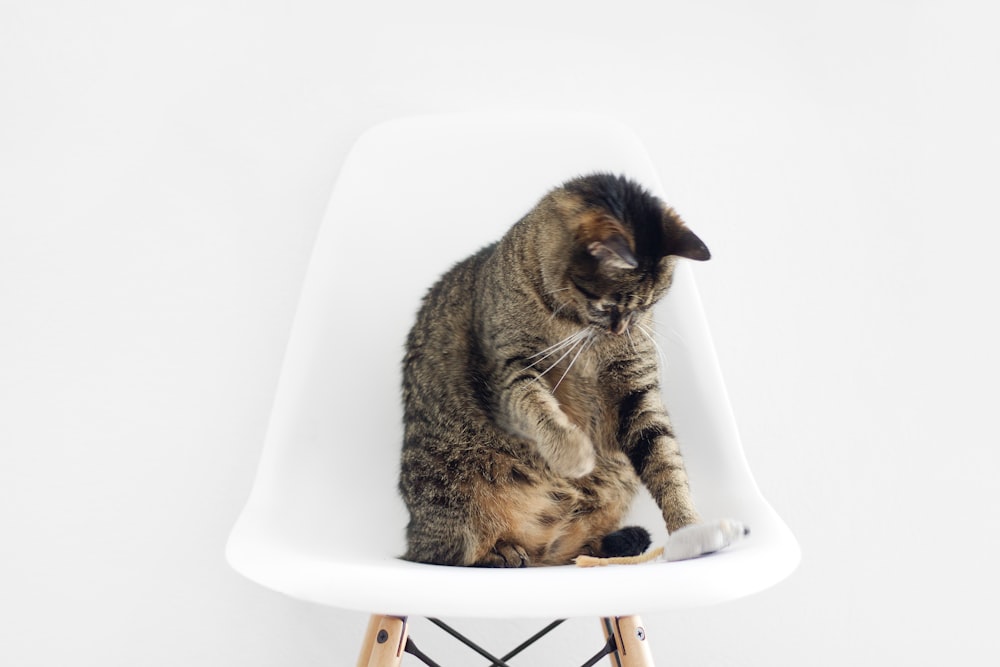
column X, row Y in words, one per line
column 568, row 452
column 680, row 515
column 700, row 539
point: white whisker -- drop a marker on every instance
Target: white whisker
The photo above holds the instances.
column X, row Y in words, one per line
column 631, row 341
column 556, row 311
column 552, row 349
column 576, row 340
column 652, row 339
column 561, row 305
column 586, row 343
column 670, row 332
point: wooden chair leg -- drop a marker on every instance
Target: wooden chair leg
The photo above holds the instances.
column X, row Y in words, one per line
column 630, row 638
column 384, row 642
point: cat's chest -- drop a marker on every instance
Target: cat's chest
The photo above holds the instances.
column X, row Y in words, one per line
column 581, row 398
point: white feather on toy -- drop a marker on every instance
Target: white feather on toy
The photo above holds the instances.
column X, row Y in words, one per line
column 703, row 538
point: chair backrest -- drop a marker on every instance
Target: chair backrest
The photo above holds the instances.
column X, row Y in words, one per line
column 415, row 196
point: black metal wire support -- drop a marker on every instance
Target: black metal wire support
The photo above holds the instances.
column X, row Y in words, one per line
column 496, row 662
column 609, row 648
column 532, row 639
column 411, row 648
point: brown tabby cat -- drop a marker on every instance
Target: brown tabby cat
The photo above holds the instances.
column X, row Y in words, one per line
column 531, row 386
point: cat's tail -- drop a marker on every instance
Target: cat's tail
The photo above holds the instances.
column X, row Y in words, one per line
column 628, row 541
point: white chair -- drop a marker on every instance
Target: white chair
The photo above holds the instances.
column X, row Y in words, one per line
column 324, row 521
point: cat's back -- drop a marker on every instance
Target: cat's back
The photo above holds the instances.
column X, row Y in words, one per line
column 441, row 344
column 447, row 309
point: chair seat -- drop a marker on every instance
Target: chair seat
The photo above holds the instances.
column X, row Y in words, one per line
column 324, row 521
column 365, row 583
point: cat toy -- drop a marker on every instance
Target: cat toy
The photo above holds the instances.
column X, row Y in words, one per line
column 692, row 541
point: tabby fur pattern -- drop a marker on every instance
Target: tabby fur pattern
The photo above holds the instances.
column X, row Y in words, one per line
column 532, row 407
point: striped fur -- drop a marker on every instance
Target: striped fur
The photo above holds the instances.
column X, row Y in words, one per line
column 531, row 394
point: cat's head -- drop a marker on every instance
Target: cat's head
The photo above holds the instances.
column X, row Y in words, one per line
column 618, row 250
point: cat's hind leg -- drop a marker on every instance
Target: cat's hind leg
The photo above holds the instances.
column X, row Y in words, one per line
column 439, row 540
column 505, row 554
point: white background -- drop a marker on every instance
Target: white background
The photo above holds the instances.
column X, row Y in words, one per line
column 163, row 170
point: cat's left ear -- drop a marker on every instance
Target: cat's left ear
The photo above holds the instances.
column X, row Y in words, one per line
column 686, row 244
column 613, row 252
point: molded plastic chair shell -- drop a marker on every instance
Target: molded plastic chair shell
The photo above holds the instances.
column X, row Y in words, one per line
column 324, row 521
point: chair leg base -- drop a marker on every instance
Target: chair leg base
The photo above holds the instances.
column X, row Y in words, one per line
column 387, row 638
column 384, row 641
column 631, row 641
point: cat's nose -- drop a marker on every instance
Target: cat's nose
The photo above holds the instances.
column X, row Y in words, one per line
column 619, row 322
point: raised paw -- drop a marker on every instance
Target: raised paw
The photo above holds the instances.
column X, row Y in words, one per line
column 568, row 452
column 701, row 539
column 505, row 554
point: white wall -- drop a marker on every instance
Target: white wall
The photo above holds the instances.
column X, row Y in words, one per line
column 163, row 169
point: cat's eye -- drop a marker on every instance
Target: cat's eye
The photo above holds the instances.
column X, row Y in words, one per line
column 585, row 292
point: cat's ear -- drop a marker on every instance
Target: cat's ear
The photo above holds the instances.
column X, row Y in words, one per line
column 613, row 252
column 686, row 244
column 606, row 241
